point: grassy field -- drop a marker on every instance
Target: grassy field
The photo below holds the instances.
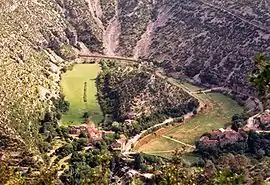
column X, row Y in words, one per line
column 222, row 110
column 219, row 114
column 73, row 84
column 159, row 145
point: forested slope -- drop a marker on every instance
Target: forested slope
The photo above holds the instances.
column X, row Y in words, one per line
column 135, row 93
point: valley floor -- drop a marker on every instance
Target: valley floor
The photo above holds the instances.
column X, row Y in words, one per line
column 79, row 88
column 217, row 115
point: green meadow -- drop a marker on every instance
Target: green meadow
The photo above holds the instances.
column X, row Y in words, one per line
column 79, row 88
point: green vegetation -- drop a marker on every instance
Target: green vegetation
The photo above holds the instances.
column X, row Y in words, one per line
column 222, row 110
column 227, row 169
column 91, row 167
column 67, row 52
column 218, row 114
column 132, row 92
column 160, row 145
column 82, row 99
column 261, row 77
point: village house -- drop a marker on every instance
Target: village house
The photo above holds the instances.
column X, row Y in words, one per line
column 76, row 130
column 94, row 134
column 119, row 144
column 260, row 122
column 265, row 120
column 221, row 137
column 207, row 142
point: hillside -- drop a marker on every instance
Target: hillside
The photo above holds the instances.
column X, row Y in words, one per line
column 33, row 35
column 213, row 47
column 212, row 42
column 208, row 42
column 135, row 93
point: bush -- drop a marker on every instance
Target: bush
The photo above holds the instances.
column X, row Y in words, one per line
column 79, row 144
column 61, row 105
column 67, row 52
column 86, row 115
column 45, row 147
column 64, row 69
column 83, row 135
column 58, row 116
column 64, row 150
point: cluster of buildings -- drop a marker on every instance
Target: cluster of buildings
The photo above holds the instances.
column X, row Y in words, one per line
column 259, row 123
column 94, row 135
column 222, row 137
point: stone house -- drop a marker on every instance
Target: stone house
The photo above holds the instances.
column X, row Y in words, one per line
column 119, row 144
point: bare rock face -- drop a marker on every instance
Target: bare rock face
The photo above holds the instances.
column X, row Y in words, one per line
column 79, row 16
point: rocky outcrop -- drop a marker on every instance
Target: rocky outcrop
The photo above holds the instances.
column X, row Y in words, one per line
column 134, row 17
column 80, row 18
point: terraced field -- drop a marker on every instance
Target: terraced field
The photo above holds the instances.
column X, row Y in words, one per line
column 79, row 88
column 219, row 113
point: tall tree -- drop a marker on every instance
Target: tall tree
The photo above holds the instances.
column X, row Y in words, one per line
column 261, row 75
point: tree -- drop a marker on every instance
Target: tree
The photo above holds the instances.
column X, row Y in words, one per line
column 137, row 181
column 138, row 161
column 58, row 116
column 48, row 117
column 83, row 135
column 176, row 173
column 63, row 131
column 227, row 177
column 238, row 121
column 80, row 144
column 61, row 104
column 261, row 76
column 115, row 126
column 86, row 115
column 91, row 168
column 44, row 147
column 64, row 150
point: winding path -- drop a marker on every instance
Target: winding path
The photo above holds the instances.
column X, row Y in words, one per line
column 177, row 141
column 134, row 139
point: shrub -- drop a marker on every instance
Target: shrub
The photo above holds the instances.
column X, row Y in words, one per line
column 86, row 115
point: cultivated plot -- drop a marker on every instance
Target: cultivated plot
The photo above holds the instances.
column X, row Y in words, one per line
column 80, row 90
